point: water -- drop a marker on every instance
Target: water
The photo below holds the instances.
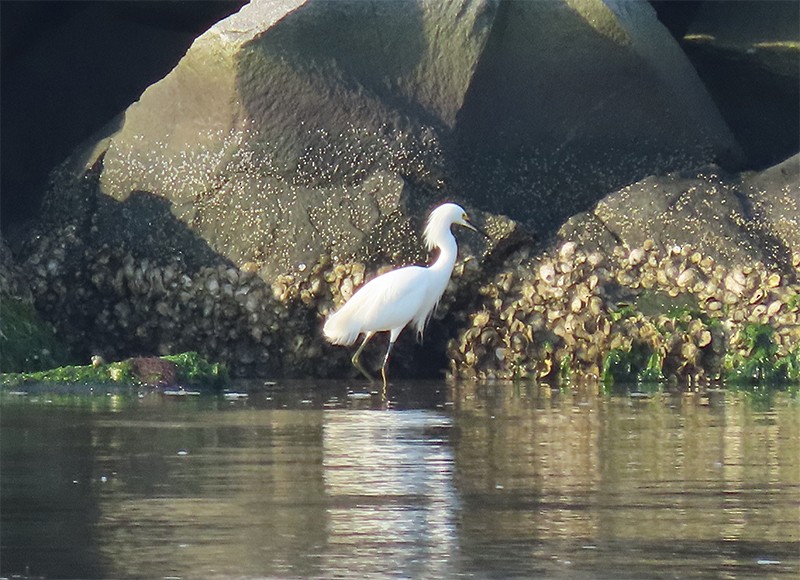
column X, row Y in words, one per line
column 306, row 480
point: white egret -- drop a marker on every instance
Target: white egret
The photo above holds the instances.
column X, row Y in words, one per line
column 392, row 300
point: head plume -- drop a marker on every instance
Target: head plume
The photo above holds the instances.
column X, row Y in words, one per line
column 440, row 221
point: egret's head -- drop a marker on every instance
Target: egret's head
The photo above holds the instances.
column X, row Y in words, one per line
column 441, row 219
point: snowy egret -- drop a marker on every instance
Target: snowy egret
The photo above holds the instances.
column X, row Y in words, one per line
column 392, row 300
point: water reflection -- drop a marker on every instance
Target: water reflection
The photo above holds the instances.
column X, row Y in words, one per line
column 388, row 477
column 306, row 480
column 684, row 486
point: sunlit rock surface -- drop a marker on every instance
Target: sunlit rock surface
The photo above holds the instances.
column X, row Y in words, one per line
column 737, row 219
column 294, row 127
column 291, row 129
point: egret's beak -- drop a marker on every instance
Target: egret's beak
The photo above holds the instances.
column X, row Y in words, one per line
column 467, row 223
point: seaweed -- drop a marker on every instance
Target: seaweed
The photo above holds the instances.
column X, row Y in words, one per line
column 194, row 370
column 757, row 362
column 639, row 365
column 190, row 369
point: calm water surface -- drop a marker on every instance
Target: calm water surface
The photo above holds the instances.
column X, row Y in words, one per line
column 309, row 480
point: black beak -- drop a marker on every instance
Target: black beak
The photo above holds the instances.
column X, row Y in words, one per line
column 475, row 228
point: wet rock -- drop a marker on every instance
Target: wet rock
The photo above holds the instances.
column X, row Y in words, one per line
column 154, row 371
column 664, row 309
column 27, row 341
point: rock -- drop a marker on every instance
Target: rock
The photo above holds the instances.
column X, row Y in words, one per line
column 563, row 91
column 729, row 42
column 13, row 283
column 296, row 148
column 730, row 219
column 773, row 202
column 154, row 371
column 275, row 150
column 27, row 342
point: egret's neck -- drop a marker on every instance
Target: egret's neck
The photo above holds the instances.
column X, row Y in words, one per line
column 448, row 250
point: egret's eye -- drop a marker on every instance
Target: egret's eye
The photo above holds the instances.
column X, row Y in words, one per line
column 464, row 217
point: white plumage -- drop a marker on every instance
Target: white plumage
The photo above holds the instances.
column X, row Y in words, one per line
column 391, row 301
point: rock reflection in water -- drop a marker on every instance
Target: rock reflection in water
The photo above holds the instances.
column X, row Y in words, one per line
column 685, row 485
column 212, row 493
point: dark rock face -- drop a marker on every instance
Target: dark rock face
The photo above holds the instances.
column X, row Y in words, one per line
column 747, row 55
column 70, row 67
column 294, row 152
column 13, row 282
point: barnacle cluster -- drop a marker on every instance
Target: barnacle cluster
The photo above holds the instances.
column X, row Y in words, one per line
column 640, row 313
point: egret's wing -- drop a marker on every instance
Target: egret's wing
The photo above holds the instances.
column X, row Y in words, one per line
column 394, row 298
column 386, row 302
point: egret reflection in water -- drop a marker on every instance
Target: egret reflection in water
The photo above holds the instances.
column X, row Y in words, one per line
column 389, row 480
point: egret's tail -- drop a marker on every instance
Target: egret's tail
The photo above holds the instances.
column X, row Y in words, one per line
column 339, row 328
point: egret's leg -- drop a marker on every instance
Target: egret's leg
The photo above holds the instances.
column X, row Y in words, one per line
column 357, row 356
column 392, row 338
column 386, row 363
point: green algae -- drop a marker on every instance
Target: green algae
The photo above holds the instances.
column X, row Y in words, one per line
column 757, row 362
column 194, row 370
column 638, row 365
column 191, row 369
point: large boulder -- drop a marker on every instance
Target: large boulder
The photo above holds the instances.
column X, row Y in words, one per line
column 287, row 116
column 276, row 139
column 575, row 99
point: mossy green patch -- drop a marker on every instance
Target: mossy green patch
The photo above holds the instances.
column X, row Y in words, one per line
column 639, row 365
column 192, row 370
column 565, row 369
column 757, row 362
column 27, row 343
column 622, row 312
column 117, row 373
